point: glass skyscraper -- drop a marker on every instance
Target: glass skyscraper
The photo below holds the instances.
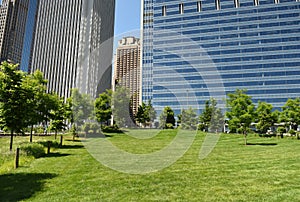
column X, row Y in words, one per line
column 209, row 48
column 29, row 35
column 73, row 45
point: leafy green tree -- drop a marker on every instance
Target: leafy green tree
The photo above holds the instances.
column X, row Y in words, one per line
column 265, row 117
column 142, row 116
column 58, row 116
column 166, row 118
column 103, row 108
column 39, row 103
column 151, row 111
column 13, row 99
column 122, row 110
column 205, row 117
column 211, row 117
column 217, row 120
column 241, row 112
column 189, row 119
column 79, row 109
column 146, row 113
column 290, row 114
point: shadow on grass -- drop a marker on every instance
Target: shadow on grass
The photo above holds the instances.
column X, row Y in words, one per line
column 56, row 155
column 73, row 140
column 71, row 146
column 262, row 144
column 21, row 186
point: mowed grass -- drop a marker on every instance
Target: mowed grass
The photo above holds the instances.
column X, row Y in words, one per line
column 266, row 170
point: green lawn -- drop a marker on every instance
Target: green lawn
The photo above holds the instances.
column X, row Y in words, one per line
column 266, row 170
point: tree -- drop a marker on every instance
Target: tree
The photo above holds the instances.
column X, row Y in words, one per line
column 13, row 99
column 241, row 112
column 103, row 109
column 151, row 111
column 211, row 117
column 217, row 120
column 58, row 116
column 189, row 119
column 166, row 118
column 39, row 103
column 122, row 110
column 142, row 116
column 79, row 109
column 265, row 117
column 205, row 117
column 290, row 114
column 145, row 114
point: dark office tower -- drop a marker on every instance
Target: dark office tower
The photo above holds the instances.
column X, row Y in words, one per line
column 209, row 48
column 73, row 45
column 29, row 35
column 13, row 17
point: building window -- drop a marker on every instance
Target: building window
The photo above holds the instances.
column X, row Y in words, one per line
column 181, row 8
column 218, row 5
column 237, row 3
column 199, row 6
column 256, row 2
column 164, row 10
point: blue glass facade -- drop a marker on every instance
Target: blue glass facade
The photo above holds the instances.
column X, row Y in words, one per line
column 147, row 50
column 210, row 48
column 29, row 35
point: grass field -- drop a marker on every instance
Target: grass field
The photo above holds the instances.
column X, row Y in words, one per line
column 266, row 170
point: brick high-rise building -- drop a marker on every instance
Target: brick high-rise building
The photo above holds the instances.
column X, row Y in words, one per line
column 127, row 68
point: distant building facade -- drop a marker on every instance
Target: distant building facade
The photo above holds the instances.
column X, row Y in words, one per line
column 13, row 22
column 249, row 44
column 73, row 45
column 127, row 68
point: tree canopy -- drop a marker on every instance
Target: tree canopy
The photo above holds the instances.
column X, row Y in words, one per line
column 166, row 118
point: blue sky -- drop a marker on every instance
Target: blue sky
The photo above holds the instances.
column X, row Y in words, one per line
column 127, row 16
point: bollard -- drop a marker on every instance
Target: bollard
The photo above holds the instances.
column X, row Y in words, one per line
column 17, row 158
column 49, row 146
column 61, row 141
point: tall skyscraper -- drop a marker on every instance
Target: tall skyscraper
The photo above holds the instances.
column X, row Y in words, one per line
column 29, row 35
column 147, row 49
column 127, row 68
column 209, row 48
column 73, row 45
column 13, row 21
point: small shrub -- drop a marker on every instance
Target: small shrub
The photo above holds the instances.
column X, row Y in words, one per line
column 201, row 127
column 33, row 149
column 111, row 129
column 292, row 132
column 169, row 126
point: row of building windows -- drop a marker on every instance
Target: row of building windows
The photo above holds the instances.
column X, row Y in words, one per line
column 217, row 6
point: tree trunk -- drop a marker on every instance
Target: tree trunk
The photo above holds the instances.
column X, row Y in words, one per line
column 31, row 133
column 55, row 134
column 11, row 140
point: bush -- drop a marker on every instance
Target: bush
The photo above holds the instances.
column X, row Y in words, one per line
column 111, row 129
column 201, row 127
column 169, row 126
column 281, row 130
column 292, row 132
column 33, row 149
column 39, row 130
